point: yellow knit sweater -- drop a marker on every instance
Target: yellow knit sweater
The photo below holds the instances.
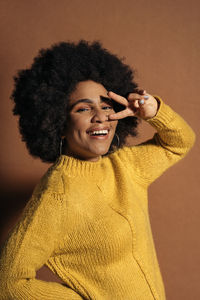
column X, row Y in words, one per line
column 89, row 223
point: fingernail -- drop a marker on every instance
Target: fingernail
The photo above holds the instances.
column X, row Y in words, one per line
column 146, row 97
column 141, row 101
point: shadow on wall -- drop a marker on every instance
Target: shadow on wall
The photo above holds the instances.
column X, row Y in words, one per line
column 12, row 201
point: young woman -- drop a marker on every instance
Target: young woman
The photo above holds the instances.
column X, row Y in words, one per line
column 87, row 219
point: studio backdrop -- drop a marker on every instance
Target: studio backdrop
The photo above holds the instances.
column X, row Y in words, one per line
column 161, row 41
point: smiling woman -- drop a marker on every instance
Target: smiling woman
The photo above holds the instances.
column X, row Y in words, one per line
column 89, row 131
column 87, row 220
column 42, row 93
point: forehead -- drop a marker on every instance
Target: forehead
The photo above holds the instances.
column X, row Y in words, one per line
column 88, row 90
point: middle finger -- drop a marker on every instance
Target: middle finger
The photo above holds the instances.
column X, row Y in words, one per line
column 118, row 98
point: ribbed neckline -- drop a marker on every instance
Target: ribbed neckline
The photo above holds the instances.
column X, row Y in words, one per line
column 75, row 167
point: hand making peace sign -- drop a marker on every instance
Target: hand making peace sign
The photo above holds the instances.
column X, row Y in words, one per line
column 138, row 104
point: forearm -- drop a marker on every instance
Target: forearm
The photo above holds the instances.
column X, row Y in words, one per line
column 32, row 289
column 173, row 133
column 172, row 141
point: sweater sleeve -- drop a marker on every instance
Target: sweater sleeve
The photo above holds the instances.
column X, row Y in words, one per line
column 28, row 247
column 172, row 141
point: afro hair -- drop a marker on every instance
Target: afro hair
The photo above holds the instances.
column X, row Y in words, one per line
column 41, row 93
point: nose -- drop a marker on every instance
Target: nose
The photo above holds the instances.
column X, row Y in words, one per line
column 100, row 116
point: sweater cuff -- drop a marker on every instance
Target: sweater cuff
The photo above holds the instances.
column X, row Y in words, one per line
column 164, row 115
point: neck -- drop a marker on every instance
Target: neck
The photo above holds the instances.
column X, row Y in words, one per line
column 70, row 154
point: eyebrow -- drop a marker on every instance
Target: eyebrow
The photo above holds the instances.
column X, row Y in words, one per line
column 90, row 101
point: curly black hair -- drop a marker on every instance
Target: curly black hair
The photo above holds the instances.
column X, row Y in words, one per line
column 41, row 92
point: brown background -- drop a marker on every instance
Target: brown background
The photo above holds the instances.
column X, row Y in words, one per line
column 161, row 40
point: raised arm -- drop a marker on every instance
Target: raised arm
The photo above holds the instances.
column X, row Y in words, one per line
column 173, row 140
column 29, row 246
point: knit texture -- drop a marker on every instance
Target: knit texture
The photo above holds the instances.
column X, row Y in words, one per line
column 89, row 223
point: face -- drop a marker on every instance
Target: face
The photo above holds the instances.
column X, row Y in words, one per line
column 89, row 133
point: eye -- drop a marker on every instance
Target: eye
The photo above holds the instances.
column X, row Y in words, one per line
column 83, row 109
column 106, row 107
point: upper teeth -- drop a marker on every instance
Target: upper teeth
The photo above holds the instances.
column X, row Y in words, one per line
column 99, row 132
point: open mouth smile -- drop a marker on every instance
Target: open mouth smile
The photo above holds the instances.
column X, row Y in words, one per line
column 99, row 134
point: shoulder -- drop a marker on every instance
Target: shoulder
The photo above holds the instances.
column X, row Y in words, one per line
column 47, row 197
column 124, row 153
column 51, row 182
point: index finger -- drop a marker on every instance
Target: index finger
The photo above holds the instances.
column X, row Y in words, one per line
column 120, row 115
column 118, row 98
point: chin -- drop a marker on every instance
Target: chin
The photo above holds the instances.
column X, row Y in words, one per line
column 101, row 150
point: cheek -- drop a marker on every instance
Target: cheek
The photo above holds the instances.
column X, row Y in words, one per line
column 76, row 131
column 77, row 124
column 115, row 125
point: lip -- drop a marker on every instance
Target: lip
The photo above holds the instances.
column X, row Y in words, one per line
column 99, row 137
